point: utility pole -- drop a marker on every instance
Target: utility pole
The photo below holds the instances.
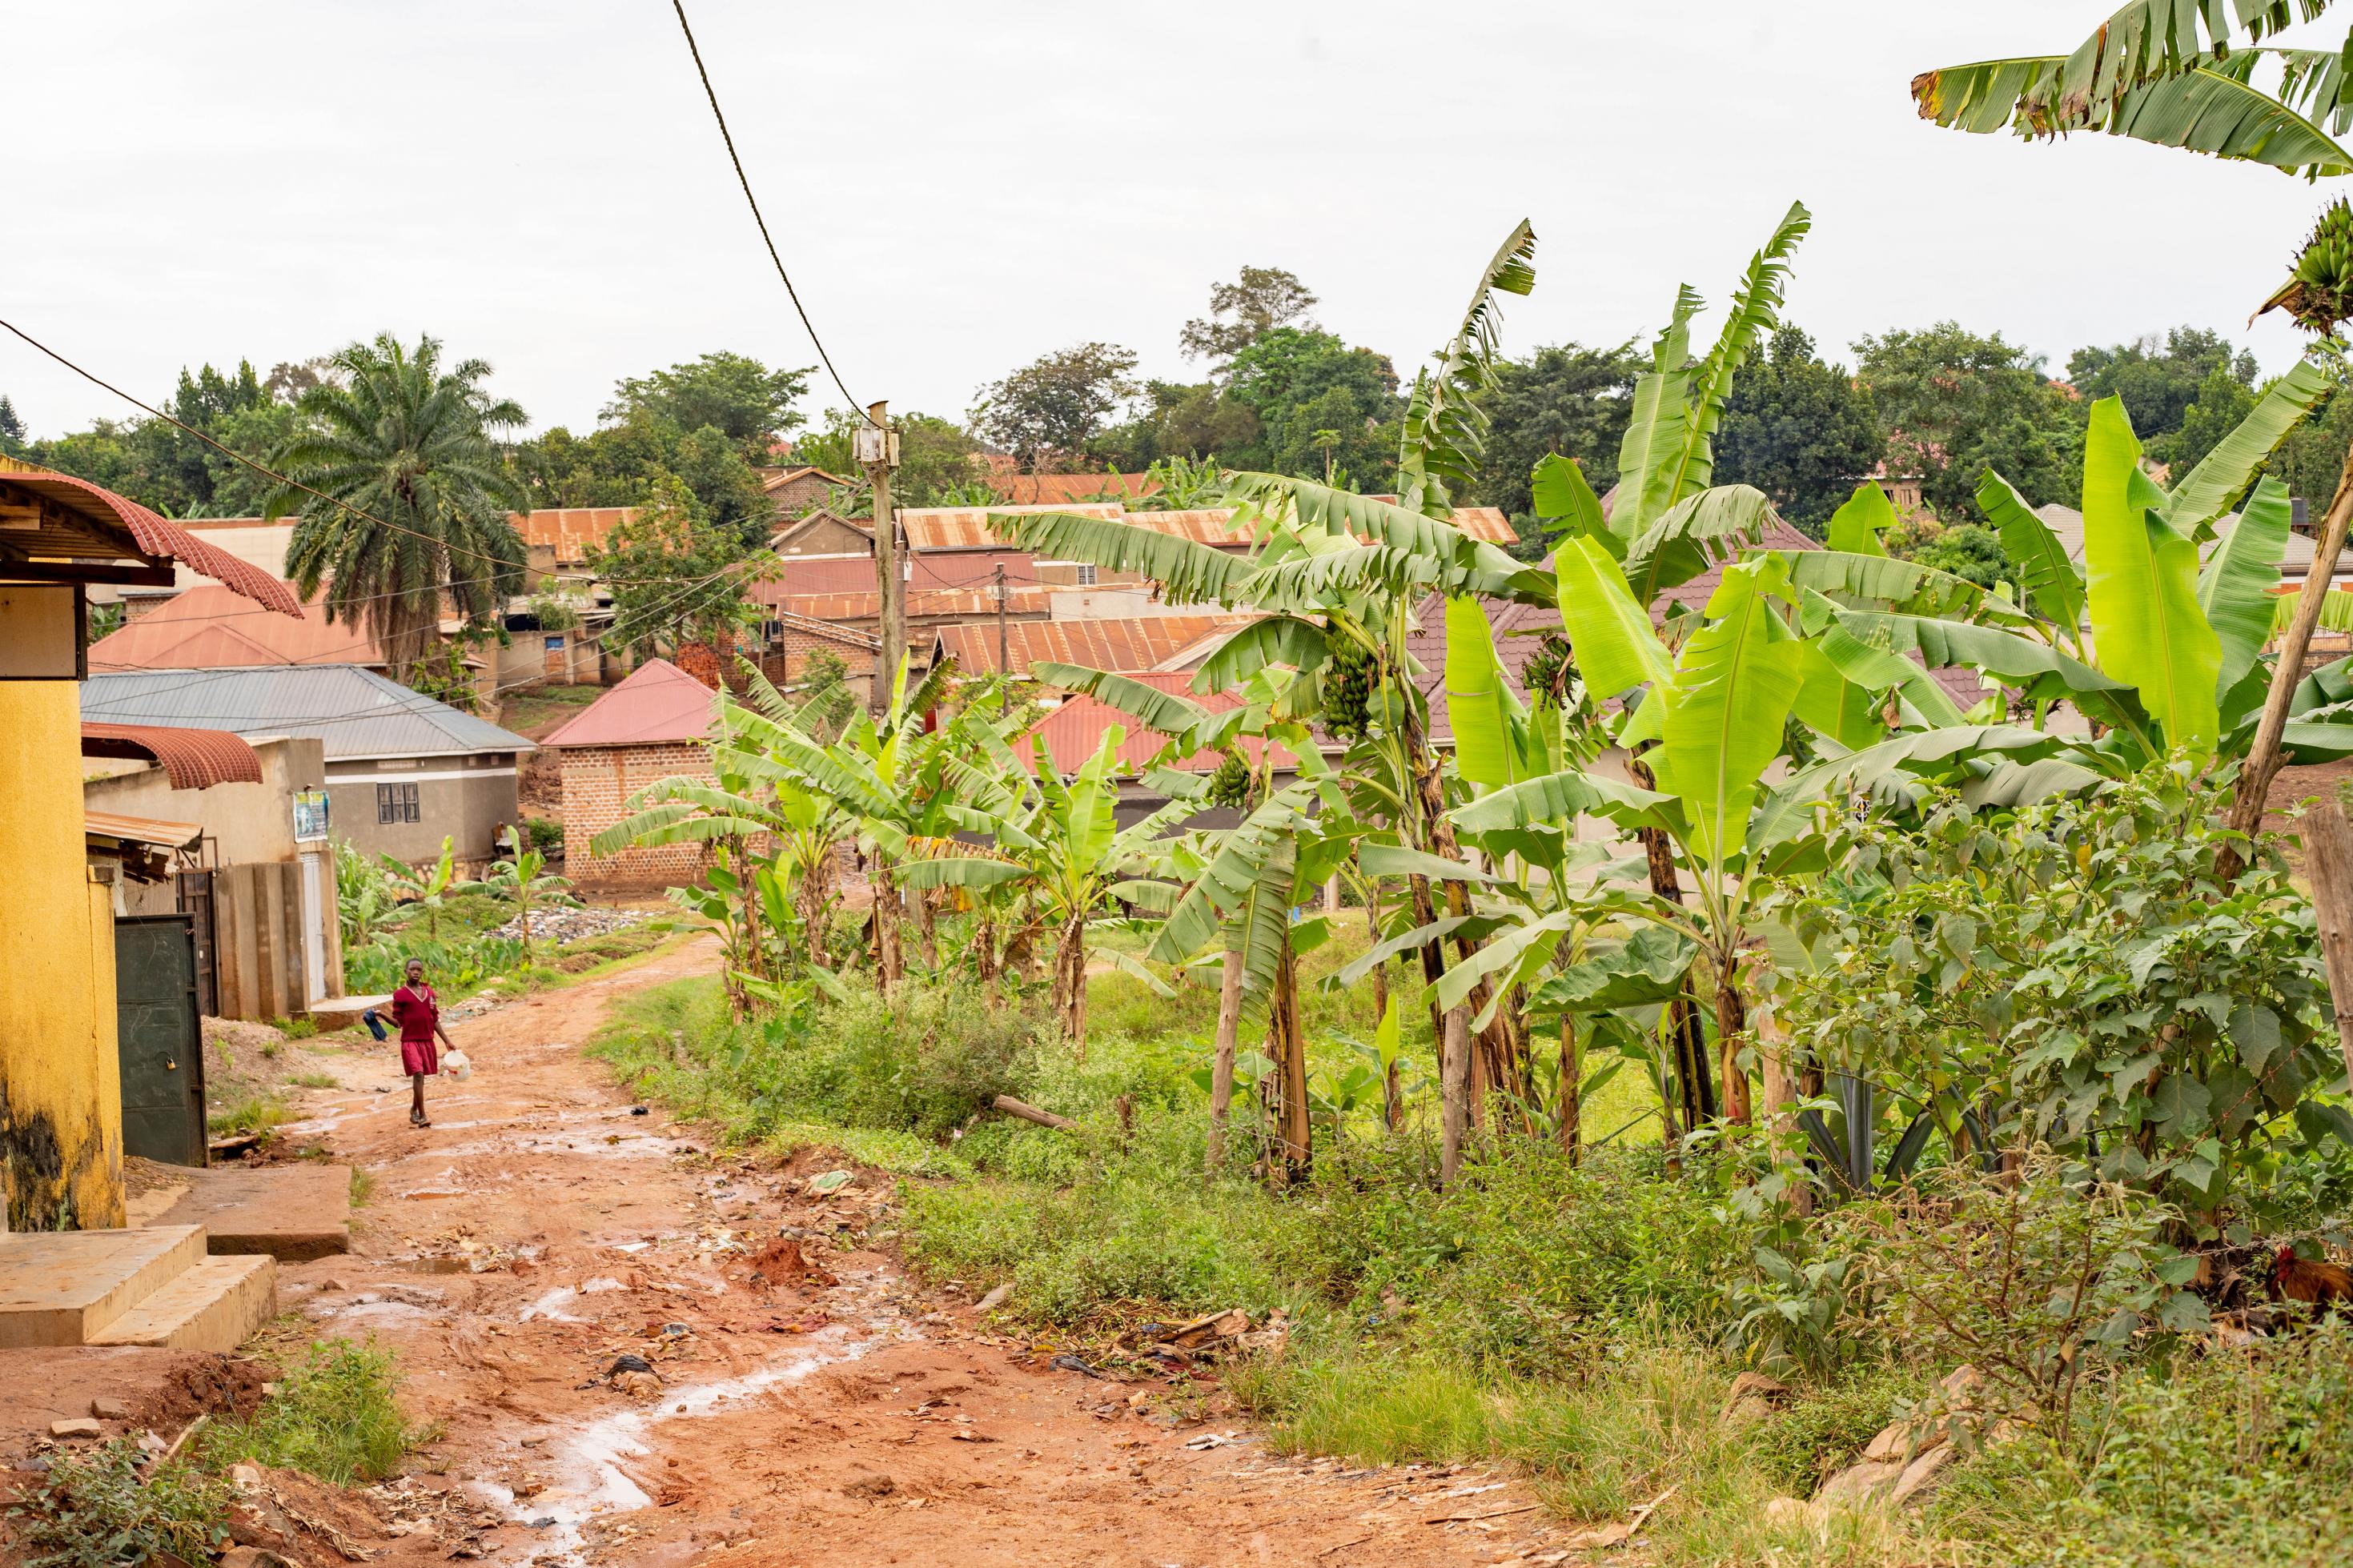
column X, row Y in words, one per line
column 878, row 454
column 1004, row 664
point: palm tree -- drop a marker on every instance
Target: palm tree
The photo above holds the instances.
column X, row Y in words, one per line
column 413, row 446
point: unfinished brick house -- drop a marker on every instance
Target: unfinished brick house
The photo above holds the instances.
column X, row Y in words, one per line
column 654, row 725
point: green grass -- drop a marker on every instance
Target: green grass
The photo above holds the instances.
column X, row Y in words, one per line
column 259, row 1113
column 363, row 1185
column 315, row 1080
column 332, row 1415
column 97, row 1508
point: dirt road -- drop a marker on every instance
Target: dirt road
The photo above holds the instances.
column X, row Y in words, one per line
column 812, row 1407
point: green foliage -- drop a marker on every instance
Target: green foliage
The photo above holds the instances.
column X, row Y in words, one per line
column 1954, row 404
column 1798, row 429
column 2161, row 380
column 406, row 441
column 674, row 583
column 1051, row 409
column 2074, row 973
column 98, row 1511
column 332, row 1415
column 1969, row 551
column 741, row 398
column 1567, row 399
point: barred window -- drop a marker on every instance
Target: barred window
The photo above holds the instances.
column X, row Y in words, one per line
column 395, row 802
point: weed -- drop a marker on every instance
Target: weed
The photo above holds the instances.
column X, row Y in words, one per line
column 315, row 1080
column 97, row 1510
column 332, row 1415
column 363, row 1185
column 262, row 1114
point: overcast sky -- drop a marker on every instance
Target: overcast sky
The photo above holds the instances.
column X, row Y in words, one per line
column 958, row 188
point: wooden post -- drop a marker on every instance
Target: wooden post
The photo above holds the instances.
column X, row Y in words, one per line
column 2262, row 763
column 878, row 453
column 2328, row 862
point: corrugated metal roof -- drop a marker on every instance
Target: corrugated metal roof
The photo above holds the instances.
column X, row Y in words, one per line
column 1060, row 489
column 192, row 759
column 1142, row 643
column 1074, row 729
column 355, row 711
column 658, row 704
column 212, row 628
column 967, row 527
column 569, row 531
column 140, row 829
column 921, row 602
column 153, row 534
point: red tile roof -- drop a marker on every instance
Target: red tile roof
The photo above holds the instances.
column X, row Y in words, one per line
column 1143, row 643
column 214, row 629
column 192, row 759
column 658, row 704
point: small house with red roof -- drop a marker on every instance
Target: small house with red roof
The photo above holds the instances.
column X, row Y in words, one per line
column 652, row 726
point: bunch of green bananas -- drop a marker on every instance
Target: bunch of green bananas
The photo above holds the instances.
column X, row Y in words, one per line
column 1230, row 785
column 2320, row 288
column 1348, row 690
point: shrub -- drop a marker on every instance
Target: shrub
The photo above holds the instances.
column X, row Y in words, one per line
column 332, row 1415
column 97, row 1510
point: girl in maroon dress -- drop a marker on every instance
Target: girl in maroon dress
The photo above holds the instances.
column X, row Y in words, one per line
column 418, row 1011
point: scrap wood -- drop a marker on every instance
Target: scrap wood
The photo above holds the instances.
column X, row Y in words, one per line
column 1620, row 1534
column 1028, row 1112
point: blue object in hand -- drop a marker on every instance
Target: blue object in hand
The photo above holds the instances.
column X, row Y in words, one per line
column 375, row 1025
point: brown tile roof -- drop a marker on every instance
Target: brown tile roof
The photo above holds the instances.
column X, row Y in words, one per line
column 1074, row 729
column 784, row 477
column 214, row 629
column 658, row 704
column 110, row 516
column 192, row 759
column 1142, row 643
column 569, row 531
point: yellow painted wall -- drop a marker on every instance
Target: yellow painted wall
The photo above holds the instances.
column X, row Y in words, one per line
column 60, row 1075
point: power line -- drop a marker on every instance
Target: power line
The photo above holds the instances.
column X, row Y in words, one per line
column 744, row 180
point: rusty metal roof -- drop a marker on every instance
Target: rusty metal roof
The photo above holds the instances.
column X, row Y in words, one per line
column 658, row 704
column 209, row 628
column 1029, row 600
column 192, row 759
column 570, row 531
column 140, row 829
column 1074, row 729
column 91, row 517
column 1141, row 643
column 1061, row 489
column 967, row 527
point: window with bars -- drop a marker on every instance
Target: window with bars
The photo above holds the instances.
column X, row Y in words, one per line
column 1086, row 575
column 395, row 802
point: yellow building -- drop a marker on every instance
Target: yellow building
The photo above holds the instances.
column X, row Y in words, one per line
column 60, row 1094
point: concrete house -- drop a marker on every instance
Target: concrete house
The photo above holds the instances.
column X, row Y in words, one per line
column 654, row 725
column 403, row 770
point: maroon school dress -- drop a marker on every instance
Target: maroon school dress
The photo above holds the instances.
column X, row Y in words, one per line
column 416, row 1009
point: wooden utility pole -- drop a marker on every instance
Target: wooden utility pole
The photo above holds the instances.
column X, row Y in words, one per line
column 878, row 454
column 1004, row 662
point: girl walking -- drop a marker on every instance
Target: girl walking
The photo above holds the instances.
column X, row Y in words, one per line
column 418, row 1011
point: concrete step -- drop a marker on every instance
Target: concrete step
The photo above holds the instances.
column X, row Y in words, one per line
column 64, row 1288
column 214, row 1305
column 294, row 1213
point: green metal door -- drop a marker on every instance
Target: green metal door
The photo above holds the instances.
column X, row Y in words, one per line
column 160, row 1038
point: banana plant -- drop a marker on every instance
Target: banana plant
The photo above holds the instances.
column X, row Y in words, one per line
column 1067, row 852
column 423, row 890
column 523, row 879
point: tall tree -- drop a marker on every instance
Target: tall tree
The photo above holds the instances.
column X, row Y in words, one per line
column 1321, row 405
column 12, row 428
column 1954, row 404
column 413, row 444
column 743, row 399
column 1800, row 429
column 1566, row 400
column 1242, row 311
column 1050, row 409
column 2221, row 399
column 2158, row 378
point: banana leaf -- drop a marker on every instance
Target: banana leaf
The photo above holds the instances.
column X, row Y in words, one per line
column 1693, row 534
column 1490, row 727
column 1188, row 572
column 1561, row 797
column 1163, row 712
column 2234, row 591
column 1656, row 417
column 1560, row 491
column 1734, row 684
column 2220, row 479
column 2143, row 587
column 1616, row 648
column 1856, row 525
column 2053, row 586
column 1446, row 419
column 1649, row 966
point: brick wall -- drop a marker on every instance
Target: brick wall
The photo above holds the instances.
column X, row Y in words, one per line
column 790, row 652
column 597, row 784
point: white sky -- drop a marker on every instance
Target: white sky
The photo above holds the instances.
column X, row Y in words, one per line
column 539, row 181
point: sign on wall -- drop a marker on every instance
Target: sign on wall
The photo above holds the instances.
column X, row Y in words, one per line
column 310, row 814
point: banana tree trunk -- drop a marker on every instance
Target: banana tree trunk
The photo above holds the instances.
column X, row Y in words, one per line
column 890, row 965
column 1294, row 1155
column 926, row 929
column 1392, row 1089
column 2263, row 762
column 984, row 954
column 1731, row 1025
column 1221, row 1070
column 1070, row 982
column 1569, row 1118
column 1690, row 1043
column 815, row 908
column 1781, row 1092
column 1454, row 1093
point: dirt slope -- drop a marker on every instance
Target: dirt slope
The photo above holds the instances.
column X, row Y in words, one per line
column 812, row 1409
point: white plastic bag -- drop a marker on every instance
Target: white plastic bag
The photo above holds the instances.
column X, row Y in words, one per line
column 456, row 1064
